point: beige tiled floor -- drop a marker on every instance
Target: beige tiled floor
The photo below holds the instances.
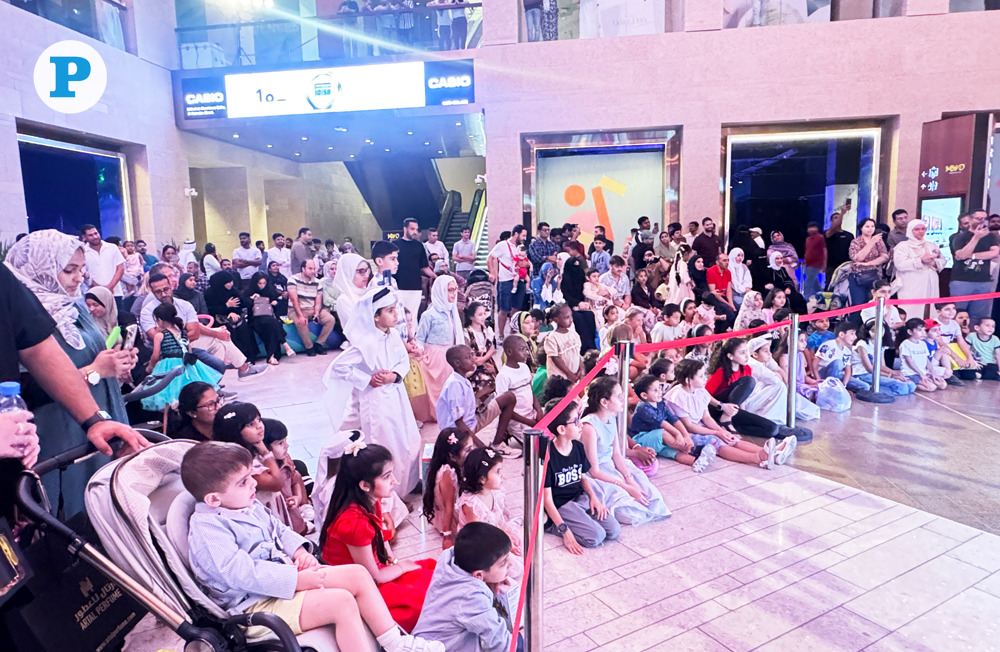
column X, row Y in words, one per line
column 780, row 560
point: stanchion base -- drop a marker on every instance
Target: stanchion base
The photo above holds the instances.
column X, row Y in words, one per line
column 869, row 396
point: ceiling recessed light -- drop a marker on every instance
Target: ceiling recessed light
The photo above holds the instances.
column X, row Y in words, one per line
column 297, row 154
column 352, row 155
column 330, row 147
column 340, row 129
column 458, row 124
column 368, row 140
column 305, row 138
column 440, row 152
column 409, row 133
column 387, row 149
column 426, row 143
column 270, row 146
column 236, row 135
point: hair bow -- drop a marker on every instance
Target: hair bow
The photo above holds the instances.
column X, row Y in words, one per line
column 452, row 439
column 353, row 447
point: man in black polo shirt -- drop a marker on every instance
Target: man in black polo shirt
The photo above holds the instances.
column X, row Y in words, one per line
column 973, row 249
column 838, row 244
column 413, row 266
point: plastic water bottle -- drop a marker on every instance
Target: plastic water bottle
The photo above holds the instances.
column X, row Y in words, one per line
column 10, row 397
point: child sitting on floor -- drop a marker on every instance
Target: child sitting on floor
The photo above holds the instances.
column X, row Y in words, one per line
column 820, row 335
column 833, row 358
column 515, row 377
column 293, row 489
column 940, row 359
column 663, row 370
column 670, row 327
column 482, row 499
column 443, row 477
column 689, row 400
column 575, row 509
column 472, row 596
column 355, row 532
column 916, row 357
column 248, row 561
column 654, row 425
column 985, row 349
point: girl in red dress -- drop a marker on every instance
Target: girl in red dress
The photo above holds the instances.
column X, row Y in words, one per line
column 355, row 532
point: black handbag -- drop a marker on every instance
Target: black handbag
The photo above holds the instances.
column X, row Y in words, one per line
column 867, row 276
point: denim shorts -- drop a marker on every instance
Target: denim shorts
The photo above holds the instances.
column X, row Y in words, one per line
column 508, row 300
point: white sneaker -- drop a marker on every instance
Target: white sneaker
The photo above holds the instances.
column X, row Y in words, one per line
column 785, row 449
column 252, row 370
column 704, row 460
column 769, row 447
column 413, row 644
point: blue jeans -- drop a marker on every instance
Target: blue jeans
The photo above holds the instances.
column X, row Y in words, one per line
column 978, row 310
column 533, row 23
column 836, row 370
column 810, row 285
column 888, row 385
column 860, row 292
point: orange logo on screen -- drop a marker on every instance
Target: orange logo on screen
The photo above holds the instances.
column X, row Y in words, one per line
column 575, row 195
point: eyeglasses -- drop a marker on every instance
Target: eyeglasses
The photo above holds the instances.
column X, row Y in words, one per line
column 212, row 405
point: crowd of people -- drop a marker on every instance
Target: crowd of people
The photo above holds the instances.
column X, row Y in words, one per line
column 427, row 337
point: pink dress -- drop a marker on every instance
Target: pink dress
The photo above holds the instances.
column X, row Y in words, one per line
column 445, row 475
column 493, row 510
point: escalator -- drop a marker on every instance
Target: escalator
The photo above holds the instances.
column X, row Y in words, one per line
column 400, row 187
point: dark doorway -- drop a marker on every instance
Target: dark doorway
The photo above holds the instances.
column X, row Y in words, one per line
column 67, row 188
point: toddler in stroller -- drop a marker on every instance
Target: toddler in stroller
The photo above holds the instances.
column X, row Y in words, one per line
column 149, row 524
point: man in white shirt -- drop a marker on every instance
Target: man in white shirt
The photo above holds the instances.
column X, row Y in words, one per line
column 510, row 296
column 246, row 258
column 104, row 261
column 464, row 254
column 215, row 342
column 280, row 254
column 435, row 246
column 693, row 229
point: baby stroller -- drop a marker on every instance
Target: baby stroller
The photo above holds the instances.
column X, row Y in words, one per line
column 140, row 510
column 481, row 290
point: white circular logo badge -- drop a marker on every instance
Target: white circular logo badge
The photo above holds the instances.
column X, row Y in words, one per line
column 70, row 76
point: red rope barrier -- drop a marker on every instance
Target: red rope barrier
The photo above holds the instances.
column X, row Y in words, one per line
column 577, row 389
column 543, row 425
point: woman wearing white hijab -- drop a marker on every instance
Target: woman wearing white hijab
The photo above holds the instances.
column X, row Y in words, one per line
column 741, row 282
column 50, row 264
column 350, row 282
column 918, row 263
column 365, row 384
column 440, row 328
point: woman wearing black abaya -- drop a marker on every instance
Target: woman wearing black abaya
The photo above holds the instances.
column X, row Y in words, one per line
column 262, row 297
column 573, row 278
column 226, row 306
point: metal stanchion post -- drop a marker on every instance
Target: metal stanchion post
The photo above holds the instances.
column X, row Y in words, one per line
column 878, row 348
column 533, row 579
column 624, row 352
column 793, row 369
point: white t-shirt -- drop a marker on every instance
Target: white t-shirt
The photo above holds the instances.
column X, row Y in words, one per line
column 253, row 255
column 283, row 257
column 185, row 311
column 438, row 248
column 892, row 316
column 951, row 332
column 915, row 357
column 663, row 333
column 504, row 253
column 517, row 381
column 829, row 351
column 103, row 264
column 862, row 348
column 463, row 248
column 691, row 405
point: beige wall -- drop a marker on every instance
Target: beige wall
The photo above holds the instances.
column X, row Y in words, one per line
column 895, row 69
column 135, row 111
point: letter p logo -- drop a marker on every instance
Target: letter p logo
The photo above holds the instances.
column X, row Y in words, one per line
column 64, row 76
column 70, row 77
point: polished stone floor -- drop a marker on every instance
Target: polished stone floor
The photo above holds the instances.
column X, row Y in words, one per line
column 845, row 549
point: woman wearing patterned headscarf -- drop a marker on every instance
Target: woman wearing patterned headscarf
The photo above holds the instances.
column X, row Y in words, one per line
column 51, row 264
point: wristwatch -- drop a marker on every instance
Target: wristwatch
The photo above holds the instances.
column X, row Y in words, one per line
column 92, row 376
column 562, row 529
column 97, row 417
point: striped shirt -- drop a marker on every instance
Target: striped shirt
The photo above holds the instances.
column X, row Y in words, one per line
column 306, row 290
